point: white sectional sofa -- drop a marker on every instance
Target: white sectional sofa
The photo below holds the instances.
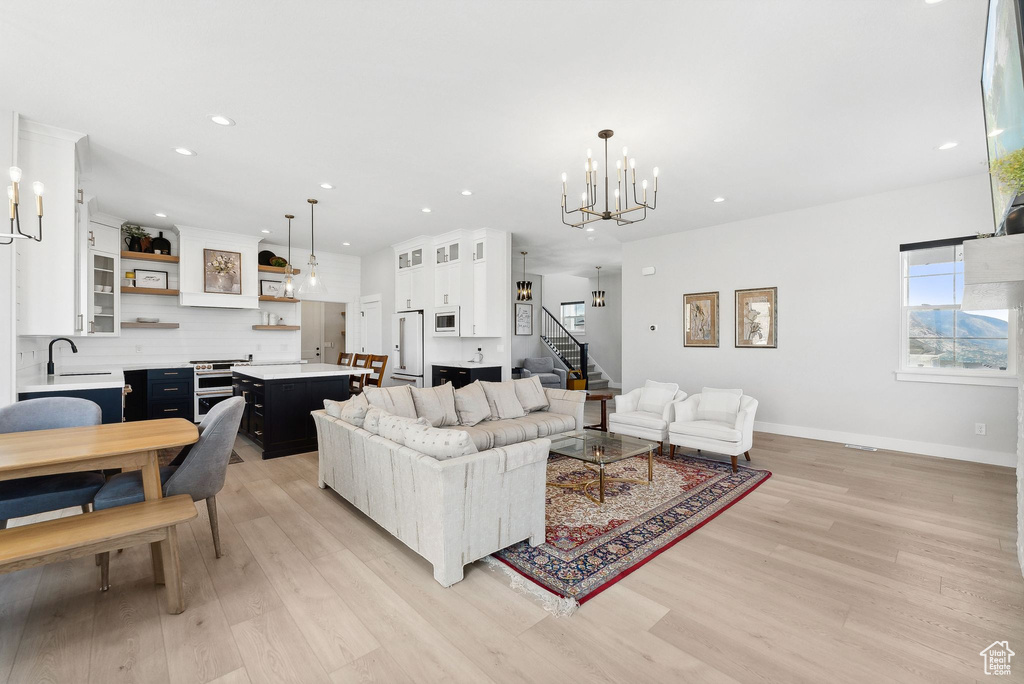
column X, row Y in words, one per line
column 453, row 493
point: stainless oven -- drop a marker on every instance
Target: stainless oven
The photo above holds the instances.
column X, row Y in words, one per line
column 211, row 384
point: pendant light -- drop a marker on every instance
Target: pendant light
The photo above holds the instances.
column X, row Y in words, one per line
column 313, row 283
column 598, row 293
column 289, row 280
column 524, row 287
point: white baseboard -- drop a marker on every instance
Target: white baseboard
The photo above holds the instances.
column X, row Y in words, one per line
column 616, row 385
column 999, row 458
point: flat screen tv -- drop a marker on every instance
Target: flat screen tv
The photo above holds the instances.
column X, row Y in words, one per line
column 1002, row 89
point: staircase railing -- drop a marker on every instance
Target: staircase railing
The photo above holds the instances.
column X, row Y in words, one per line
column 567, row 348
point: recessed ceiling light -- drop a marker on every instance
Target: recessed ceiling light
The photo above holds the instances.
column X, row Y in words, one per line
column 222, row 120
column 425, row 210
column 326, row 186
column 590, row 230
column 948, row 146
column 160, row 214
column 265, row 231
column 994, row 132
column 932, row 2
column 467, row 193
column 346, row 244
column 185, row 151
column 718, row 199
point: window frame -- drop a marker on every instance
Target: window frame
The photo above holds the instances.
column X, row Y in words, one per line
column 959, row 376
column 561, row 316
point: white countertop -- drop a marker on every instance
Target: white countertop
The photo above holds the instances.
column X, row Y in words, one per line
column 38, row 381
column 465, row 364
column 297, row 370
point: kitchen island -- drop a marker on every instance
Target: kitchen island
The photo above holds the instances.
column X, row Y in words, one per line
column 279, row 399
column 105, row 386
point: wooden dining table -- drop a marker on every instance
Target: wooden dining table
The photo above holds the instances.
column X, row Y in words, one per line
column 128, row 446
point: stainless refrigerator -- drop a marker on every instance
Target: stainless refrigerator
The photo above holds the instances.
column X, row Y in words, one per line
column 407, row 355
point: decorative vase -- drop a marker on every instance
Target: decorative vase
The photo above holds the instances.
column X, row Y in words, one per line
column 147, row 244
column 134, row 244
column 161, row 245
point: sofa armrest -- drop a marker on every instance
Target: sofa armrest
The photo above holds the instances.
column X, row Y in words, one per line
column 686, row 410
column 567, row 403
column 624, row 403
column 562, row 375
column 745, row 420
column 524, row 373
column 669, row 412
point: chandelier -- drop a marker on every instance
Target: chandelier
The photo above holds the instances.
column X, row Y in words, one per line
column 14, row 200
column 624, row 178
column 313, row 284
column 524, row 287
column 598, row 293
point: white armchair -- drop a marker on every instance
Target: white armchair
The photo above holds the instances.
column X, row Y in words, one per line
column 720, row 421
column 646, row 411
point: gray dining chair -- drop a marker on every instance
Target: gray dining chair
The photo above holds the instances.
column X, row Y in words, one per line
column 200, row 475
column 32, row 495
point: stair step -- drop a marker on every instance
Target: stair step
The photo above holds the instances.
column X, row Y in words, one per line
column 597, row 384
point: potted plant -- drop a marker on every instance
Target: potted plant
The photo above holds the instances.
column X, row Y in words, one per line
column 133, row 235
column 1009, row 169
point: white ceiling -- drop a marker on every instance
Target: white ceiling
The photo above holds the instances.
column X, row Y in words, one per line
column 774, row 104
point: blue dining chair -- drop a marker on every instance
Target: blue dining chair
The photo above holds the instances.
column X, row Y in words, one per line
column 200, row 475
column 32, row 495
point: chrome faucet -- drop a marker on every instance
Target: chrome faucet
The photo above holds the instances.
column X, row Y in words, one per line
column 49, row 363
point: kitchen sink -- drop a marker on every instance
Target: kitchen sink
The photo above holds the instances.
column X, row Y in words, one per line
column 65, row 375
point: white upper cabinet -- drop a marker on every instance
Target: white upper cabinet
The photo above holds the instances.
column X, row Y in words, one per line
column 411, row 288
column 103, row 271
column 448, row 269
column 51, row 280
column 491, row 285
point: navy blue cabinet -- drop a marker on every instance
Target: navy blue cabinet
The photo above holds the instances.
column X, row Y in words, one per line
column 108, row 398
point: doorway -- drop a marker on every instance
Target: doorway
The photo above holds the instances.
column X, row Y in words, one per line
column 324, row 331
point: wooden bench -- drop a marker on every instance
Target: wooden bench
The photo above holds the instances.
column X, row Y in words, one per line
column 101, row 532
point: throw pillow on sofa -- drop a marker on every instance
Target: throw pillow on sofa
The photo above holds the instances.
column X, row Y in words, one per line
column 471, row 404
column 394, row 400
column 393, row 427
column 530, row 393
column 333, row 408
column 439, row 443
column 720, row 405
column 372, row 421
column 656, row 395
column 351, row 411
column 436, row 404
column 502, row 401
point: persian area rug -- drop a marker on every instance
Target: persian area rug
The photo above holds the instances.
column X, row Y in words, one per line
column 590, row 546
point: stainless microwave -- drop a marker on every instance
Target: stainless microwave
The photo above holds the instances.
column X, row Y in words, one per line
column 446, row 321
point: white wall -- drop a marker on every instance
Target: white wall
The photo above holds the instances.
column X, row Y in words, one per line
column 204, row 333
column 837, row 268
column 8, row 334
column 603, row 326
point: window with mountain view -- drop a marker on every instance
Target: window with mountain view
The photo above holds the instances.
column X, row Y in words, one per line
column 937, row 334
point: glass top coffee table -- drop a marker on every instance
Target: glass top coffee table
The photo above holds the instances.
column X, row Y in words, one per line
column 597, row 450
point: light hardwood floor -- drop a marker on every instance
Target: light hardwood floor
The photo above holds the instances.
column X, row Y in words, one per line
column 846, row 566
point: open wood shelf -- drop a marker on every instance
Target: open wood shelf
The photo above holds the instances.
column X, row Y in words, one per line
column 148, row 291
column 276, row 269
column 275, row 327
column 268, row 298
column 136, row 324
column 146, row 256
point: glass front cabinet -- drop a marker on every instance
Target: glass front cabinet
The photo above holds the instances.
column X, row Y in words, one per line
column 103, row 264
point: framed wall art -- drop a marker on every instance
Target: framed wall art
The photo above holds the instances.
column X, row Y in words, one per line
column 154, row 279
column 524, row 319
column 700, row 319
column 271, row 288
column 757, row 318
column 222, row 272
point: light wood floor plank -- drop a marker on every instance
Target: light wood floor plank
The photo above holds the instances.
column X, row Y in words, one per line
column 274, row 650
